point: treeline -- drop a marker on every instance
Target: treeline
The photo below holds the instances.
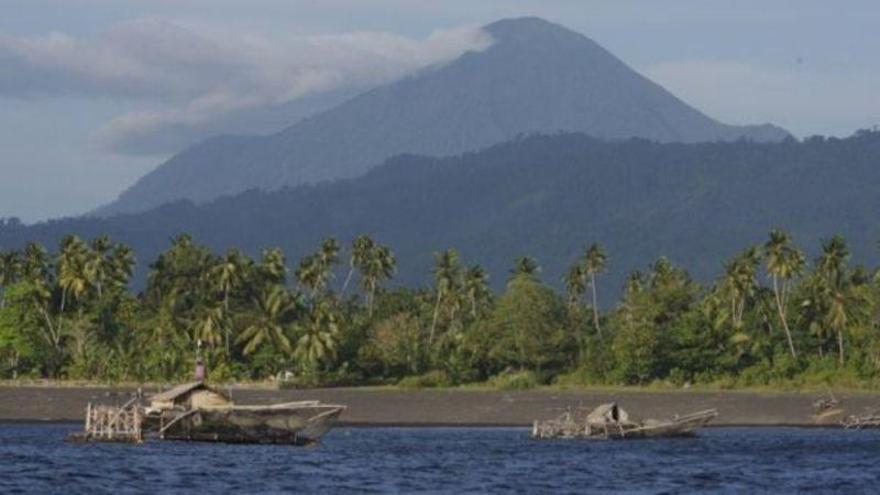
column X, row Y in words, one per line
column 336, row 319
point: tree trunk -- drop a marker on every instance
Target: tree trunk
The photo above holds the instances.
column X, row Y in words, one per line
column 225, row 314
column 595, row 308
column 347, row 280
column 840, row 345
column 434, row 320
column 782, row 317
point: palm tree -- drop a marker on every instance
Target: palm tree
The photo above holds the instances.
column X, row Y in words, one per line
column 10, row 271
column 447, row 272
column 476, row 287
column 634, row 283
column 40, row 299
column 273, row 310
column 740, row 282
column 35, row 262
column 307, row 274
column 845, row 299
column 525, row 266
column 380, row 266
column 97, row 263
column 594, row 263
column 273, row 266
column 318, row 335
column 328, row 258
column 361, row 249
column 73, row 277
column 208, row 325
column 122, row 263
column 575, row 283
column 226, row 276
column 316, row 270
column 784, row 262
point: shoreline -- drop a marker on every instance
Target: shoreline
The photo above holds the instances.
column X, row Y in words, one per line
column 389, row 407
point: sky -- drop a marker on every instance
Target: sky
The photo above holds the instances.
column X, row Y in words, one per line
column 96, row 93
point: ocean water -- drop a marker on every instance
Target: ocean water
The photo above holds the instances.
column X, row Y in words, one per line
column 35, row 459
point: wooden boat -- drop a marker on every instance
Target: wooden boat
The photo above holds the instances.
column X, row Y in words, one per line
column 871, row 419
column 609, row 421
column 198, row 412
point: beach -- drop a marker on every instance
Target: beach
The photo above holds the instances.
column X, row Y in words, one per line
column 463, row 407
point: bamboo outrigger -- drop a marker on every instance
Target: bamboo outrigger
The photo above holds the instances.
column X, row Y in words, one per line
column 112, row 424
column 197, row 411
column 609, row 421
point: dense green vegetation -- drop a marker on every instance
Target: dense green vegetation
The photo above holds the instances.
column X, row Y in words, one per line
column 541, row 195
column 771, row 317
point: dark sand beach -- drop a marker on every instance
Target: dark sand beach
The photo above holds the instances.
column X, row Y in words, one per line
column 456, row 407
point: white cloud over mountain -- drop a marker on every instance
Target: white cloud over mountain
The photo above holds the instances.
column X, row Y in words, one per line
column 185, row 83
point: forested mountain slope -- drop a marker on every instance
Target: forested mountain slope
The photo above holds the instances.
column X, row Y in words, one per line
column 545, row 196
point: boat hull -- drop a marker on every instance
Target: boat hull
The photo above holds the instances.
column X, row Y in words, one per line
column 297, row 425
column 568, row 427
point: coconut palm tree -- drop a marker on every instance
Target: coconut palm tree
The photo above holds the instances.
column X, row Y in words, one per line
column 380, row 266
column 328, row 258
column 845, row 299
column 784, row 262
column 35, row 262
column 476, row 287
column 208, row 325
column 225, row 276
column 525, row 266
column 318, row 336
column 122, row 263
column 634, row 283
column 273, row 266
column 361, row 249
column 273, row 311
column 594, row 263
column 447, row 273
column 307, row 274
column 316, row 270
column 97, row 263
column 575, row 283
column 73, row 276
column 740, row 282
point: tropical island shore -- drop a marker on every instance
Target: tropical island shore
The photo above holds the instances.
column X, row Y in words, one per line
column 464, row 407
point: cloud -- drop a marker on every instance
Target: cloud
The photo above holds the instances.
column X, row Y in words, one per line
column 189, row 83
column 803, row 101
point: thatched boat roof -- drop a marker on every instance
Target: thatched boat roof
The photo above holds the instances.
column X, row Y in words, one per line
column 184, row 389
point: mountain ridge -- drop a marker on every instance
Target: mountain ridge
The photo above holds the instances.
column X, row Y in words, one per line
column 536, row 77
column 543, row 196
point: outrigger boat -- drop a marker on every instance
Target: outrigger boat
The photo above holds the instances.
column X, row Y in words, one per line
column 196, row 411
column 199, row 412
column 609, row 421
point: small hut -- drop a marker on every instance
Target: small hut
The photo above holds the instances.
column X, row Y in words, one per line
column 189, row 396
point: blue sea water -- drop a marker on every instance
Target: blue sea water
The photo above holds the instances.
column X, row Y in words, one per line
column 35, row 459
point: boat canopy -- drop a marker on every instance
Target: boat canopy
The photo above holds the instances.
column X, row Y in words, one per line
column 191, row 395
column 608, row 413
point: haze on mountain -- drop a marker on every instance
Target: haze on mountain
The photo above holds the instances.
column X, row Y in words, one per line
column 536, row 77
